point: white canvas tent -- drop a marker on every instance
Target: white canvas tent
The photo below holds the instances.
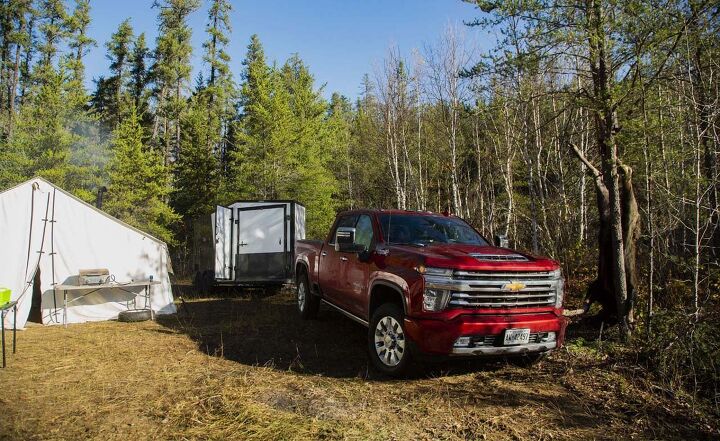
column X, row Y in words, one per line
column 43, row 227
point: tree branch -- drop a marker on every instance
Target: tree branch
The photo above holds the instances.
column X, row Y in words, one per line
column 585, row 160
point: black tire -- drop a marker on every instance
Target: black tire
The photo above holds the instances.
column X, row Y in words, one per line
column 307, row 302
column 389, row 354
column 527, row 360
column 134, row 315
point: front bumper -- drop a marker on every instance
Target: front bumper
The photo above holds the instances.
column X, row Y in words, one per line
column 506, row 350
column 437, row 337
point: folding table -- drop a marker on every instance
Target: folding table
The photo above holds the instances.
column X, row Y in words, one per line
column 146, row 284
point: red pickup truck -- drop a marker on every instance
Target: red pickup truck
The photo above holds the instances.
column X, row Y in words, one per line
column 430, row 283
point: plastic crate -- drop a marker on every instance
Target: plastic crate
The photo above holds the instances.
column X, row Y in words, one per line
column 4, row 296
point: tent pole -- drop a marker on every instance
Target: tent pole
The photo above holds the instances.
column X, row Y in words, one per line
column 52, row 249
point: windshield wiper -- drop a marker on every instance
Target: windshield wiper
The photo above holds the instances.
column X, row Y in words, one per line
column 412, row 244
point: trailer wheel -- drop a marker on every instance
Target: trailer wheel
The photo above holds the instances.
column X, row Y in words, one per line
column 308, row 303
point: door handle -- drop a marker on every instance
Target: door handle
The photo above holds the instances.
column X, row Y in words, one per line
column 242, row 244
column 324, row 253
column 344, row 259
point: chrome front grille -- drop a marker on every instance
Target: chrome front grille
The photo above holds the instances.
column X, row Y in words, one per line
column 474, row 289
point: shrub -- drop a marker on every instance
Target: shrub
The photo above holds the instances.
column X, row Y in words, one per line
column 684, row 353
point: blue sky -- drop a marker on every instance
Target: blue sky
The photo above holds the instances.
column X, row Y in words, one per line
column 339, row 40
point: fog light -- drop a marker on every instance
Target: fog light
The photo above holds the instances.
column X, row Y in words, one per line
column 548, row 337
column 462, row 342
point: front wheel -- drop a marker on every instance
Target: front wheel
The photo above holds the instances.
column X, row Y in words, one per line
column 308, row 304
column 388, row 346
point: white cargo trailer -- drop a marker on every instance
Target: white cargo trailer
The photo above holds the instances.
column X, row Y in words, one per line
column 255, row 241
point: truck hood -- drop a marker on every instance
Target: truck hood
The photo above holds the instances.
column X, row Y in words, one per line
column 479, row 258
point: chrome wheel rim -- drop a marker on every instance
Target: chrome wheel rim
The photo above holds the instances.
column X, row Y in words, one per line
column 389, row 341
column 301, row 295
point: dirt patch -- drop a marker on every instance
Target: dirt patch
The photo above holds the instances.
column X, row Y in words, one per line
column 250, row 369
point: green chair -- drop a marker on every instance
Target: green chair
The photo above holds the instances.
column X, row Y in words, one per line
column 4, row 296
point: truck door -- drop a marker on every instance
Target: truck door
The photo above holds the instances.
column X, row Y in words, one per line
column 332, row 267
column 223, row 243
column 356, row 273
column 262, row 244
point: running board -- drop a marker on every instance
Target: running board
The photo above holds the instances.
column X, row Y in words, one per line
column 345, row 313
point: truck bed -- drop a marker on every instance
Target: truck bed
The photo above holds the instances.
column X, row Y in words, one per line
column 308, row 251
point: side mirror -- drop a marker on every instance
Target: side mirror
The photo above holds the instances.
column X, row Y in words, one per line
column 345, row 240
column 501, row 241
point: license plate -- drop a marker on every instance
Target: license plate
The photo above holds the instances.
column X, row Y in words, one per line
column 516, row 337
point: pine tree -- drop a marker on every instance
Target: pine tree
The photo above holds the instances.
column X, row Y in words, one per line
column 29, row 49
column 339, row 122
column 139, row 77
column 14, row 22
column 77, row 30
column 42, row 136
column 196, row 172
column 53, row 28
column 220, row 88
column 110, row 97
column 218, row 30
column 248, row 174
column 305, row 155
column 139, row 183
column 42, row 132
column 205, row 123
column 172, row 71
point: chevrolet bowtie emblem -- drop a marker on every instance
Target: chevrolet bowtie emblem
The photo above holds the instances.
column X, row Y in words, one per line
column 514, row 286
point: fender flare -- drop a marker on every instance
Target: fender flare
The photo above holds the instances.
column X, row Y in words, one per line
column 393, row 286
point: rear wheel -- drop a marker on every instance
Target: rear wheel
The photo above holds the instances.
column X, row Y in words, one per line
column 388, row 346
column 308, row 303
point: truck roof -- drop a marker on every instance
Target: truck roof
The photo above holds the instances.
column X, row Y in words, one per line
column 393, row 211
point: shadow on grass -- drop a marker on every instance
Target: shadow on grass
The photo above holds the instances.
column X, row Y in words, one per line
column 269, row 332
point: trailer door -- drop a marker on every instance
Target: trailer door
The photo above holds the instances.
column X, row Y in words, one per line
column 223, row 243
column 262, row 246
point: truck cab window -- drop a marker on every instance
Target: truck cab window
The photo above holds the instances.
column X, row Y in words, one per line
column 364, row 232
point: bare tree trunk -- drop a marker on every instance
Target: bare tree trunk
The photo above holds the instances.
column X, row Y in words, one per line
column 649, row 209
column 177, row 118
column 606, row 126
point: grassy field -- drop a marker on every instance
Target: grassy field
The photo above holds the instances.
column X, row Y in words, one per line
column 251, row 369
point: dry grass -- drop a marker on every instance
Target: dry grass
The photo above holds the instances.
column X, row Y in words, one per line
column 250, row 369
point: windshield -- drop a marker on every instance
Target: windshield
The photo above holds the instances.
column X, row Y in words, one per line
column 407, row 229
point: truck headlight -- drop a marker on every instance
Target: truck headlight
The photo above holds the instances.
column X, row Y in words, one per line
column 436, row 295
column 435, row 299
column 430, row 271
